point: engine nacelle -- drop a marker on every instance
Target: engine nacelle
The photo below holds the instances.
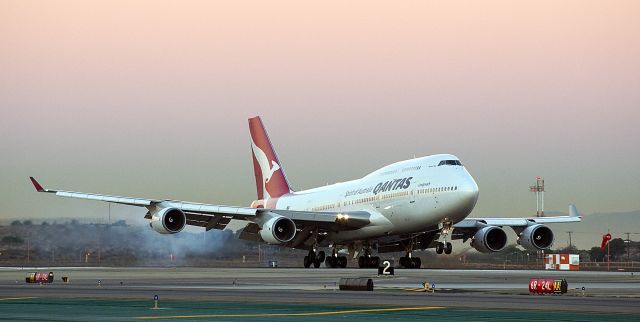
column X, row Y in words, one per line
column 278, row 230
column 489, row 239
column 168, row 221
column 536, row 237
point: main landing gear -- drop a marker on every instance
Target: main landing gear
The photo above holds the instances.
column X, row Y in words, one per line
column 335, row 261
column 332, row 261
column 409, row 261
column 314, row 259
column 368, row 261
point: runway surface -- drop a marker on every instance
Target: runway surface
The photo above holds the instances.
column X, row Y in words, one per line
column 277, row 294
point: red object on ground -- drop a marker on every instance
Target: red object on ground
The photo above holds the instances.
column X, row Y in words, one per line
column 40, row 277
column 547, row 286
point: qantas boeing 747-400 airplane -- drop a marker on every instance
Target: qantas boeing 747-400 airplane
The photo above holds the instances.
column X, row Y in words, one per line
column 406, row 206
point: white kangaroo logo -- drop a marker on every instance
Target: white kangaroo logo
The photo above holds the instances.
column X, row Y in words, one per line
column 275, row 167
column 267, row 169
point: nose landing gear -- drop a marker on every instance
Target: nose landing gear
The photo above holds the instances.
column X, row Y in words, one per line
column 445, row 247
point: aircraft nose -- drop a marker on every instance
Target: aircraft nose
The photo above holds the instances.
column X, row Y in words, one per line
column 468, row 192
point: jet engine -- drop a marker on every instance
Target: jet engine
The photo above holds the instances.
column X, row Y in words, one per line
column 168, row 220
column 278, row 230
column 536, row 237
column 489, row 239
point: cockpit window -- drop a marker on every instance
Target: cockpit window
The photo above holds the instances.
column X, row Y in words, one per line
column 449, row 162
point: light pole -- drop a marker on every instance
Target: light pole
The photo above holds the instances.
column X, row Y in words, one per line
column 628, row 246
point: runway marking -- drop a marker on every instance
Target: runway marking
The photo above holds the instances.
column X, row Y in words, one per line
column 392, row 309
column 17, row 298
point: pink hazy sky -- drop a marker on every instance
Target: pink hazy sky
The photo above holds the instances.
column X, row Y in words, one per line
column 150, row 98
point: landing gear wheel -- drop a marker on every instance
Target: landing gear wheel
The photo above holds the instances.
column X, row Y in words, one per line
column 313, row 259
column 448, row 248
column 439, row 248
column 330, row 262
column 410, row 262
column 375, row 262
column 342, row 261
column 403, row 262
column 368, row 261
column 307, row 262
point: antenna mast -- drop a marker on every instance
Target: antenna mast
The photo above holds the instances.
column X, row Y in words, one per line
column 539, row 190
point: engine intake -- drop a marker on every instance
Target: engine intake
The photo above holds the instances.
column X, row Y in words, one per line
column 489, row 239
column 278, row 230
column 168, row 221
column 536, row 237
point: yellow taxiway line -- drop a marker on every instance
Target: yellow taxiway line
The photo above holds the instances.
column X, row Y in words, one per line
column 392, row 309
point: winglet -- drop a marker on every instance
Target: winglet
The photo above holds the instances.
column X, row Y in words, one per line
column 573, row 212
column 37, row 185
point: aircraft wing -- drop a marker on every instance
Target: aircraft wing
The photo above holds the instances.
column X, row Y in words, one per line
column 520, row 222
column 218, row 216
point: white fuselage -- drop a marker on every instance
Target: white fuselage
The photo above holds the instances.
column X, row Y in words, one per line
column 404, row 197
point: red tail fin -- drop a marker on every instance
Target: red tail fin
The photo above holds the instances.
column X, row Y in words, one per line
column 271, row 181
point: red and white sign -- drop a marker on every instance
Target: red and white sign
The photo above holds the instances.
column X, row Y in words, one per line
column 547, row 286
column 563, row 262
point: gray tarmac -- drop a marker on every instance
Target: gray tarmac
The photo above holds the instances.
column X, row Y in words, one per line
column 605, row 292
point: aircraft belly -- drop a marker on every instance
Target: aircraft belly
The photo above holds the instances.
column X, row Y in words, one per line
column 359, row 234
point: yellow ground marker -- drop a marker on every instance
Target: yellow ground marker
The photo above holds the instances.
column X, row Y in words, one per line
column 392, row 309
column 17, row 298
